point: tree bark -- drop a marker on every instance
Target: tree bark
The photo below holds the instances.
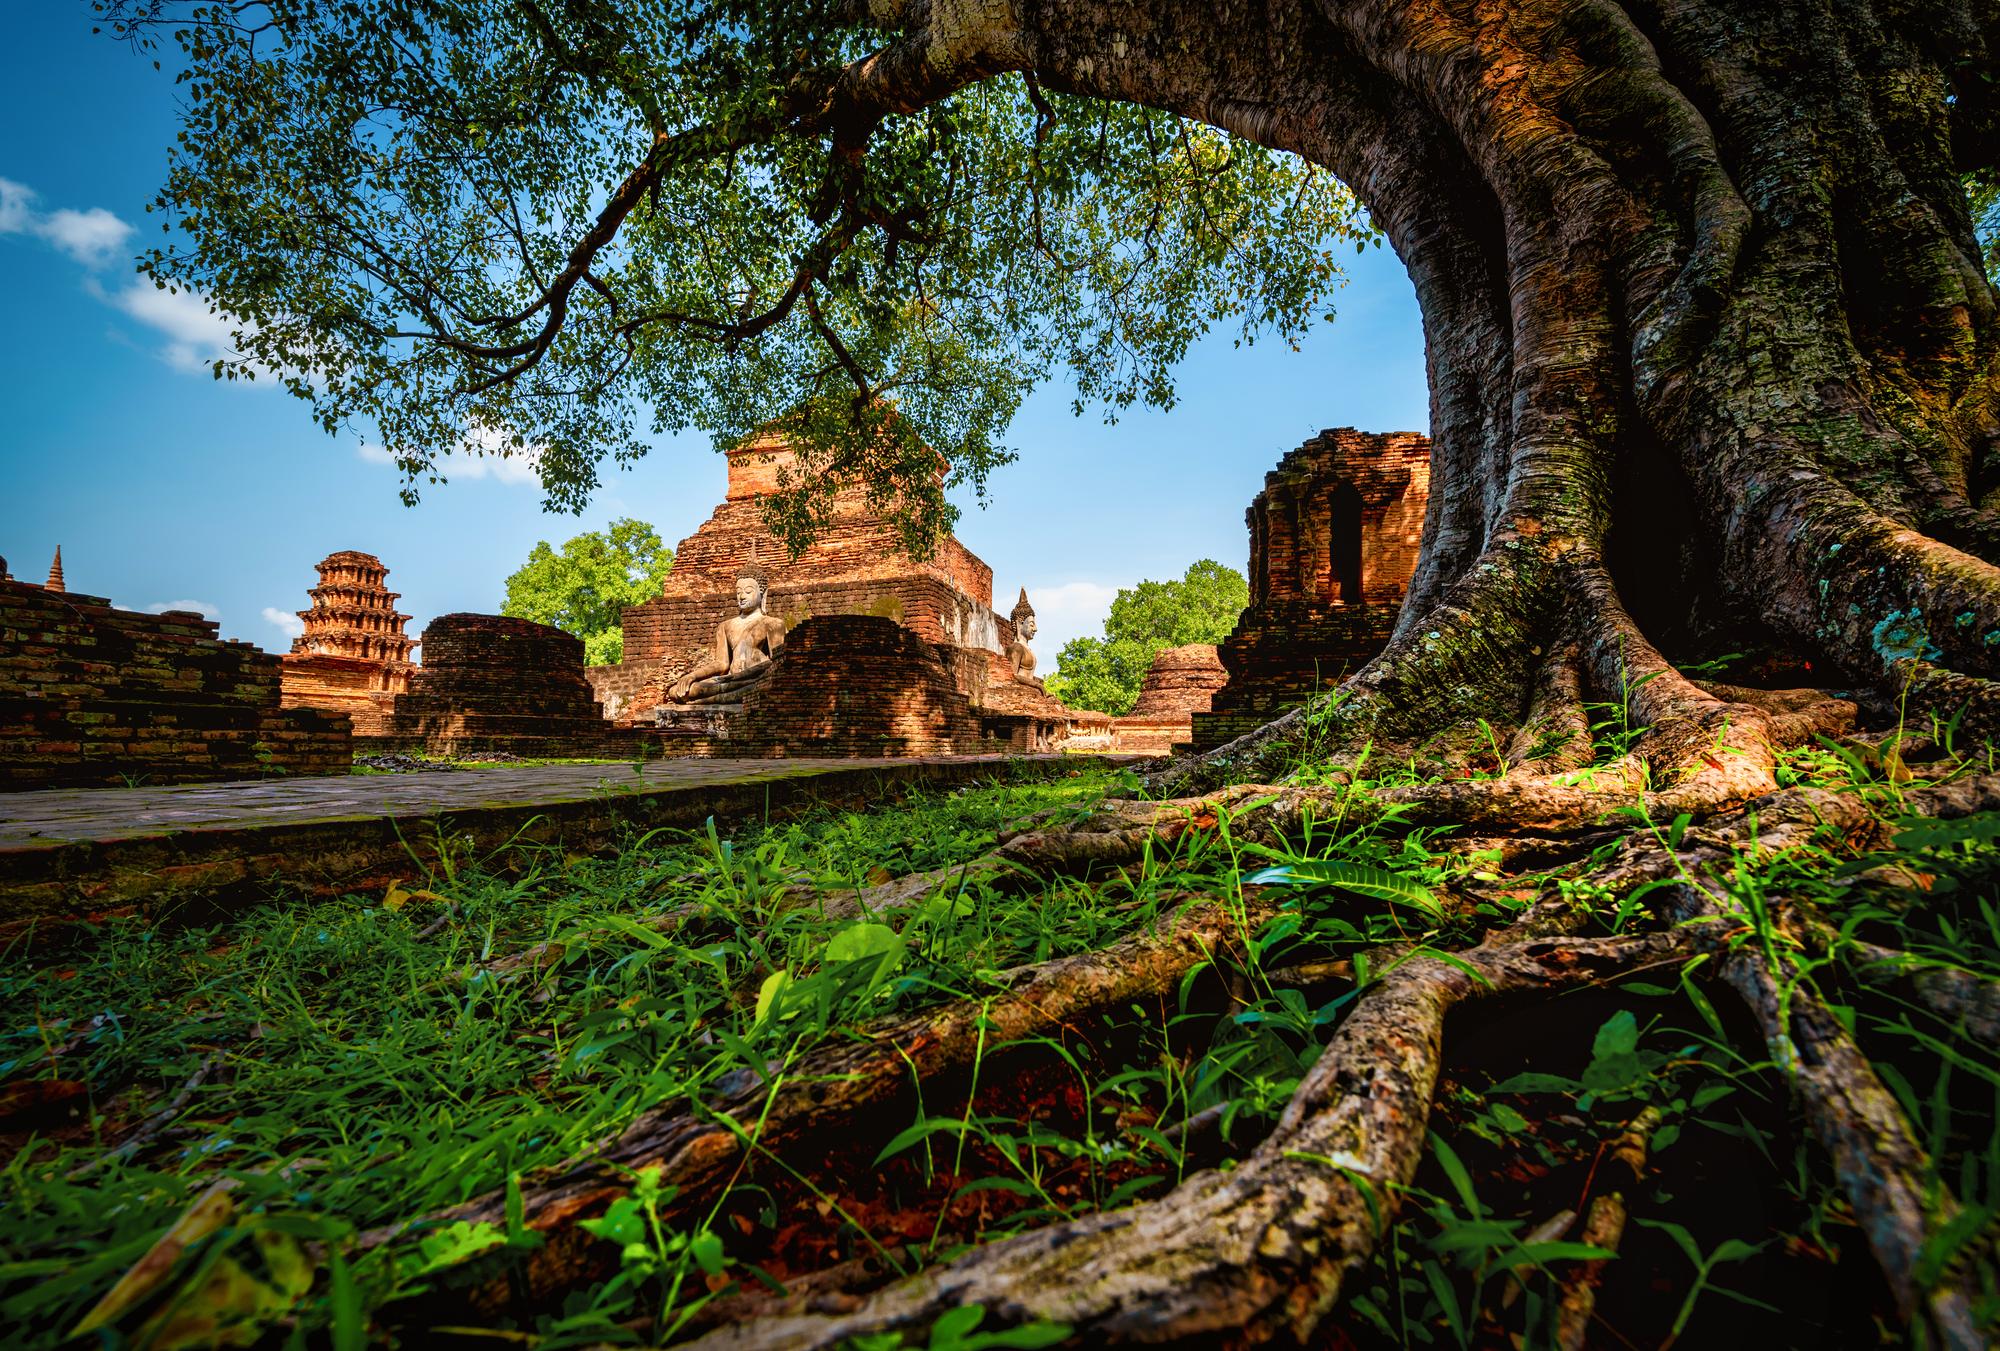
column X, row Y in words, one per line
column 1711, row 353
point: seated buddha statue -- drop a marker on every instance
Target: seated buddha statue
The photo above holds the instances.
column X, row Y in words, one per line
column 741, row 656
column 1021, row 657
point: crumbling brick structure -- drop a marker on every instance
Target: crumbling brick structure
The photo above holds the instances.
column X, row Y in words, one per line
column 1180, row 682
column 861, row 685
column 353, row 656
column 1333, row 542
column 494, row 684
column 857, row 566
column 94, row 696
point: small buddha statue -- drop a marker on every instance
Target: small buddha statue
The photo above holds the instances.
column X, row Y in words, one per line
column 743, row 650
column 1020, row 656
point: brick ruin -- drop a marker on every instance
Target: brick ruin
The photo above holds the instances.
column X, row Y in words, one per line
column 1333, row 542
column 94, row 696
column 490, row 684
column 353, row 656
column 857, row 685
column 857, row 566
column 1180, row 683
column 855, row 571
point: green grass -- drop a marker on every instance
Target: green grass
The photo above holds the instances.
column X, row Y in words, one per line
column 356, row 1064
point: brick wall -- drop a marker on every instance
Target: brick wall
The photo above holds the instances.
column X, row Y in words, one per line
column 859, row 685
column 491, row 683
column 615, row 687
column 1334, row 537
column 91, row 695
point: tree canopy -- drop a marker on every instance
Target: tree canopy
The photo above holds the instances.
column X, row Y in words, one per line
column 584, row 588
column 1104, row 673
column 530, row 227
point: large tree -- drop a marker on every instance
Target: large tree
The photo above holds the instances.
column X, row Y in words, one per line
column 1711, row 352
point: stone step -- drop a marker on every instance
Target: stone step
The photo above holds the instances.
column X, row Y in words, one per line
column 77, row 853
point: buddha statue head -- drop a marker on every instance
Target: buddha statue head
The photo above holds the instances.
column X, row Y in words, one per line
column 1024, row 617
column 752, row 585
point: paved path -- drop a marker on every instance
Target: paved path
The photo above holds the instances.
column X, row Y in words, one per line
column 98, row 850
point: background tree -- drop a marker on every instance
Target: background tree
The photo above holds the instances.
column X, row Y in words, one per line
column 1104, row 673
column 584, row 588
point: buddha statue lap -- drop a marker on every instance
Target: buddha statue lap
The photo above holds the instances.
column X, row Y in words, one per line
column 740, row 658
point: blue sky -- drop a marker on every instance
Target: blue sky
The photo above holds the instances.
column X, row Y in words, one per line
column 162, row 485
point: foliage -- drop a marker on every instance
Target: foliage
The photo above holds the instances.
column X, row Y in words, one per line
column 585, row 588
column 379, row 1068
column 1982, row 192
column 512, row 227
column 1104, row 673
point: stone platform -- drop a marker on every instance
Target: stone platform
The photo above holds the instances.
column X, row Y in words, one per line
column 74, row 853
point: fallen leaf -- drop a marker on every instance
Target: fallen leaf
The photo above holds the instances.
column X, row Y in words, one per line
column 210, row 1211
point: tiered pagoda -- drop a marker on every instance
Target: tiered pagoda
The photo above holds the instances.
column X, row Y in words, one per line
column 353, row 656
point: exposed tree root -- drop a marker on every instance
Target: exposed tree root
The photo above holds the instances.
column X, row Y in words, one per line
column 1603, row 1227
column 1264, row 1250
column 829, row 1087
column 1856, row 1119
column 1956, row 997
column 1261, row 1250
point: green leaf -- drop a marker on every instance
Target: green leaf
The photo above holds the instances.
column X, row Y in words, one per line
column 1375, row 883
column 1533, row 1082
column 1454, row 1169
column 350, row 1323
column 623, row 1224
column 859, row 940
column 922, row 1130
column 706, row 1247
column 770, row 991
column 955, row 1324
column 1618, row 1036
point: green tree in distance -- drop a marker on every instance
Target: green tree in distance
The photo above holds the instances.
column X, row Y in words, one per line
column 1104, row 673
column 584, row 588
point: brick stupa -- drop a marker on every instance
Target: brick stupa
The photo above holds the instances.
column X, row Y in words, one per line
column 491, row 684
column 856, row 566
column 354, row 656
column 855, row 571
column 1180, row 682
column 1333, row 543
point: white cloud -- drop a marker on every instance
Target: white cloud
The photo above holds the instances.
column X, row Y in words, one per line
column 93, row 237
column 476, row 457
column 1071, row 610
column 206, row 609
column 284, row 621
column 197, row 333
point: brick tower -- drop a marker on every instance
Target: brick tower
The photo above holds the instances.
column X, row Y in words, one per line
column 1333, row 542
column 353, row 657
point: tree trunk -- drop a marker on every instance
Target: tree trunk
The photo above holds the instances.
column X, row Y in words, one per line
column 1711, row 357
column 1711, row 353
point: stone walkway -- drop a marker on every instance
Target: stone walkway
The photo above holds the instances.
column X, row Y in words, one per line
column 75, row 851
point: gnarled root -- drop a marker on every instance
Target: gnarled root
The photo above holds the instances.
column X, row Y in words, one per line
column 828, row 1088
column 1603, row 1227
column 1451, row 690
column 1856, row 1119
column 1261, row 1250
